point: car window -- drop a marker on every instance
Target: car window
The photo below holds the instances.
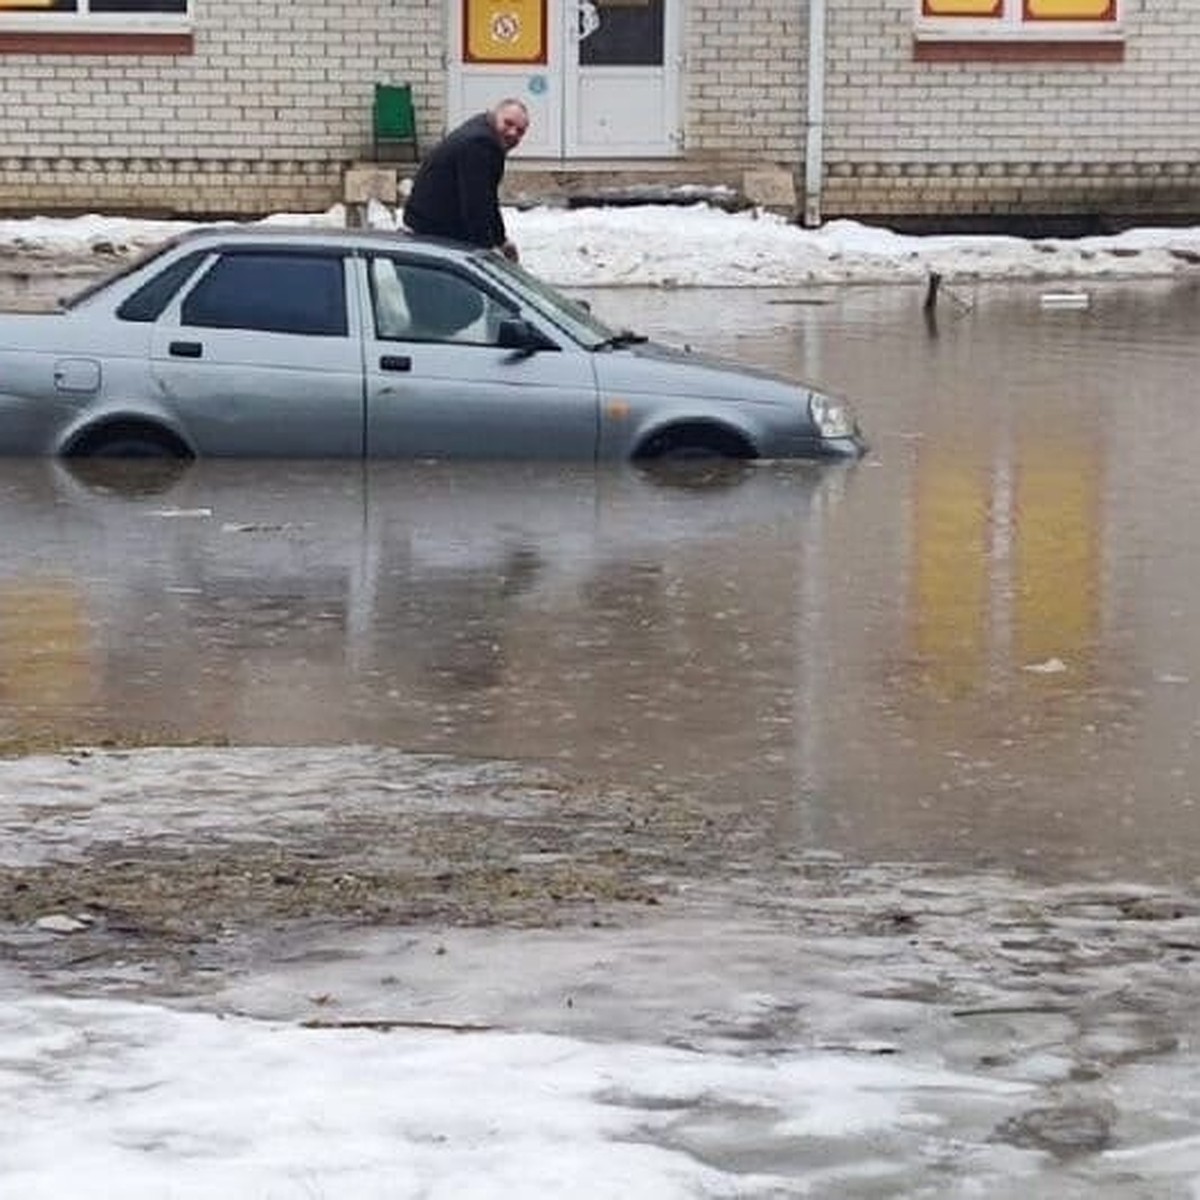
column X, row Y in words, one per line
column 147, row 303
column 423, row 302
column 275, row 292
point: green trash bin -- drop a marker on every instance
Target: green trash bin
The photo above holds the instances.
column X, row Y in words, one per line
column 394, row 121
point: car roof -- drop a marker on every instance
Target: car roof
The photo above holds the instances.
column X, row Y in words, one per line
column 202, row 237
column 314, row 235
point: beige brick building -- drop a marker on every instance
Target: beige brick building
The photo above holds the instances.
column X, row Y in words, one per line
column 883, row 109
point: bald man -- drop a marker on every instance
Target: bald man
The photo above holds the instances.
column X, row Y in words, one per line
column 456, row 192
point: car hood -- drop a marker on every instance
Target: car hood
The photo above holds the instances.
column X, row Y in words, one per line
column 653, row 366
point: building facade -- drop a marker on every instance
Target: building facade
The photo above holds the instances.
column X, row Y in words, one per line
column 880, row 109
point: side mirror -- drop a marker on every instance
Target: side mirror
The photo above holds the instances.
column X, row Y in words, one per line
column 515, row 333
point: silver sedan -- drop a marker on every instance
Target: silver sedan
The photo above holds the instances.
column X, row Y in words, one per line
column 254, row 342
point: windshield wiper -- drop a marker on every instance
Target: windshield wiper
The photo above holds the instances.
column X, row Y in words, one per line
column 619, row 341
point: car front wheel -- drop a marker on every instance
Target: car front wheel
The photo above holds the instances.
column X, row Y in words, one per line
column 693, row 444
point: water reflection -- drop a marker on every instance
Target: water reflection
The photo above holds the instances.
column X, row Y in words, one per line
column 1026, row 701
column 978, row 644
column 555, row 613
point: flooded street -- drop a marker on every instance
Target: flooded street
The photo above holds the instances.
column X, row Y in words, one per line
column 893, row 762
column 976, row 646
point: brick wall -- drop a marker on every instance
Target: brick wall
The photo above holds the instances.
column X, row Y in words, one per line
column 265, row 114
column 904, row 137
column 744, row 80
column 976, row 136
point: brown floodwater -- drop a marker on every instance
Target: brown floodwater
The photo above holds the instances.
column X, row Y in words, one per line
column 978, row 646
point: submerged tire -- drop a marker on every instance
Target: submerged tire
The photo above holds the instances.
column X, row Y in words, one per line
column 694, row 443
column 129, row 443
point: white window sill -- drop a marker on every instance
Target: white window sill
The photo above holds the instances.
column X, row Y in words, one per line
column 954, row 29
column 136, row 23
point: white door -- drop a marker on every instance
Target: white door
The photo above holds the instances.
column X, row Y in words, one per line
column 621, row 80
column 600, row 77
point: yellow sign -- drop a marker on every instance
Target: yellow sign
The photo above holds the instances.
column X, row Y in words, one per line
column 504, row 31
column 1071, row 10
column 1032, row 10
column 962, row 8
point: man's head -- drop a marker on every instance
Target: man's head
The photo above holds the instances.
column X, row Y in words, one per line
column 510, row 120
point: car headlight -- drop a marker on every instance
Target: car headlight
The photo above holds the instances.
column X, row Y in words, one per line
column 833, row 418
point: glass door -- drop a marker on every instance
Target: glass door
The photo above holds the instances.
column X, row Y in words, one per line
column 620, row 94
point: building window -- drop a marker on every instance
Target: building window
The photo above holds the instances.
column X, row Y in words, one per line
column 1036, row 19
column 56, row 9
column 95, row 26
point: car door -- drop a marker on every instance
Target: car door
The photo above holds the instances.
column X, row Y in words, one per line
column 439, row 386
column 261, row 356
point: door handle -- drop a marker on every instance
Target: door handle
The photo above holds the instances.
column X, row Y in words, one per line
column 395, row 362
column 185, row 349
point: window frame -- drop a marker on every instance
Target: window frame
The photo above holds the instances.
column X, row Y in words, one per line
column 1012, row 25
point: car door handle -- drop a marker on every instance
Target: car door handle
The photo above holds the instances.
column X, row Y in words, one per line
column 395, row 362
column 185, row 349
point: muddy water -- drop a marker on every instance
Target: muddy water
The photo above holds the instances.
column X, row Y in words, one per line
column 978, row 646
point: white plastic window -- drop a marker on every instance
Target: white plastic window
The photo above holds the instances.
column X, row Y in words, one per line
column 84, row 15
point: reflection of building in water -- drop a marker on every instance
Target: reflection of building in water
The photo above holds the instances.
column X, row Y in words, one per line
column 1006, row 559
column 1056, row 552
column 591, row 618
column 46, row 659
column 950, row 573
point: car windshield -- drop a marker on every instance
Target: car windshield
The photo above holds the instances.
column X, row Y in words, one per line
column 572, row 317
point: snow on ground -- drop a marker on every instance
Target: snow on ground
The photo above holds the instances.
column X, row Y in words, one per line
column 703, row 246
column 107, row 1097
column 858, row 1032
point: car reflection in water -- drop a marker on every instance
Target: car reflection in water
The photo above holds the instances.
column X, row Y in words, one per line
column 631, row 617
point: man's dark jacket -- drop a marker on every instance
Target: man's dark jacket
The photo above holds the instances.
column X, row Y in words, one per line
column 456, row 190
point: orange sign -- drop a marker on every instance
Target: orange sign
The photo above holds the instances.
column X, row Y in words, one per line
column 1071, row 10
column 504, row 31
column 962, row 8
column 1032, row 10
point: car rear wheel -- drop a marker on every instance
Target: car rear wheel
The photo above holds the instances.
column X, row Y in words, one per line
column 130, row 443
